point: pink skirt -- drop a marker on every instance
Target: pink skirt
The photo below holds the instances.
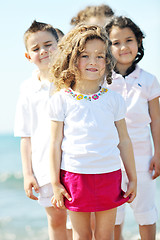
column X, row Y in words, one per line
column 93, row 192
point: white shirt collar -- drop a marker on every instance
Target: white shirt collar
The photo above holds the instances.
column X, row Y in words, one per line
column 37, row 84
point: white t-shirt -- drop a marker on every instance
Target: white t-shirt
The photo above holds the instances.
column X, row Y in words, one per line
column 90, row 138
column 137, row 89
column 32, row 120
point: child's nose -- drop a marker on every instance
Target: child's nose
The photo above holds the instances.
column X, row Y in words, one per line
column 42, row 51
column 123, row 46
column 93, row 61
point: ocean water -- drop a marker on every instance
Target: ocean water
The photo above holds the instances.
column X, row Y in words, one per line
column 22, row 218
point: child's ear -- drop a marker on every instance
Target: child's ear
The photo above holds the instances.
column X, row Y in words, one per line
column 27, row 56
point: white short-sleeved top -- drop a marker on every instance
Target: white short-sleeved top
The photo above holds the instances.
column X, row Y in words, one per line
column 32, row 120
column 90, row 138
column 137, row 89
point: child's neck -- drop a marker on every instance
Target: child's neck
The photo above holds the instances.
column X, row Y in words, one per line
column 122, row 68
column 44, row 75
column 88, row 88
column 125, row 72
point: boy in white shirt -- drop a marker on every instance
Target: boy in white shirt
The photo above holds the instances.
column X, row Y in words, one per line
column 32, row 124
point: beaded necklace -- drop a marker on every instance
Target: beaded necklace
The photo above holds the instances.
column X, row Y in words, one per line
column 86, row 97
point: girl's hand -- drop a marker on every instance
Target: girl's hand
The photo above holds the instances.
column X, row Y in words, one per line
column 131, row 191
column 154, row 167
column 30, row 183
column 58, row 197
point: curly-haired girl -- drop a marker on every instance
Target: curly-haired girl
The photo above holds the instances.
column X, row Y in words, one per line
column 87, row 125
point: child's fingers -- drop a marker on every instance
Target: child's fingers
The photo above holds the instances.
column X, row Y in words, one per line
column 58, row 199
column 67, row 196
column 151, row 167
column 156, row 174
column 36, row 187
column 59, row 204
column 30, row 194
column 131, row 197
column 54, row 202
column 131, row 193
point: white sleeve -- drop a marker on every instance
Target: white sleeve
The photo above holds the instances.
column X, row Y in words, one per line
column 120, row 108
column 57, row 107
column 154, row 90
column 22, row 124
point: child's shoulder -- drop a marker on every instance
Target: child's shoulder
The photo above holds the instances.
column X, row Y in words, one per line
column 58, row 95
column 146, row 76
column 30, row 84
column 26, row 84
column 113, row 93
column 114, row 97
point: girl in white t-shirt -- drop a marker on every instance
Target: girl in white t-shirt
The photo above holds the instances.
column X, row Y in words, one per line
column 87, row 132
column 141, row 92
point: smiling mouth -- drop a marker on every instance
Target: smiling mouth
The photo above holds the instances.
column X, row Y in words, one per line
column 92, row 69
column 123, row 54
column 44, row 57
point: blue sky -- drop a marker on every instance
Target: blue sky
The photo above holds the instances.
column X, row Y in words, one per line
column 16, row 16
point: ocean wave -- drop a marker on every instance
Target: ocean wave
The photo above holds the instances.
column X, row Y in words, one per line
column 11, row 180
column 5, row 220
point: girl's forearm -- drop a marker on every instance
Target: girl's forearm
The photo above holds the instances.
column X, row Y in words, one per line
column 55, row 162
column 127, row 156
column 55, row 151
column 26, row 156
column 155, row 130
column 154, row 111
column 126, row 150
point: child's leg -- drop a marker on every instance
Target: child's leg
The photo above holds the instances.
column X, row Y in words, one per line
column 56, row 218
column 119, row 223
column 118, row 232
column 144, row 207
column 56, row 223
column 148, row 232
column 120, row 212
column 105, row 222
column 81, row 225
column 93, row 224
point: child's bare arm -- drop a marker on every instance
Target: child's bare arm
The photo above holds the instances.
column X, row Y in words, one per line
column 126, row 152
column 29, row 179
column 154, row 110
column 55, row 163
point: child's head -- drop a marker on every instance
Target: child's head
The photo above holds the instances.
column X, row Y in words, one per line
column 40, row 41
column 125, row 34
column 65, row 71
column 98, row 15
column 39, row 26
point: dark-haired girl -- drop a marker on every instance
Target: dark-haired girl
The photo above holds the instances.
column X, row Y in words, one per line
column 141, row 92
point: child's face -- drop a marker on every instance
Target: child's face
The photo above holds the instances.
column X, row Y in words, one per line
column 40, row 45
column 92, row 61
column 124, row 46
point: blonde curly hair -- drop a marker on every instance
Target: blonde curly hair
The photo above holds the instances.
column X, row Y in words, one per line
column 64, row 69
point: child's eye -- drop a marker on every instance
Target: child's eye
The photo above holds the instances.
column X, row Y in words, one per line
column 129, row 40
column 84, row 56
column 35, row 49
column 101, row 57
column 48, row 45
column 115, row 43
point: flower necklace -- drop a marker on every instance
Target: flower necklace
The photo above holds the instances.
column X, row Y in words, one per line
column 86, row 97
